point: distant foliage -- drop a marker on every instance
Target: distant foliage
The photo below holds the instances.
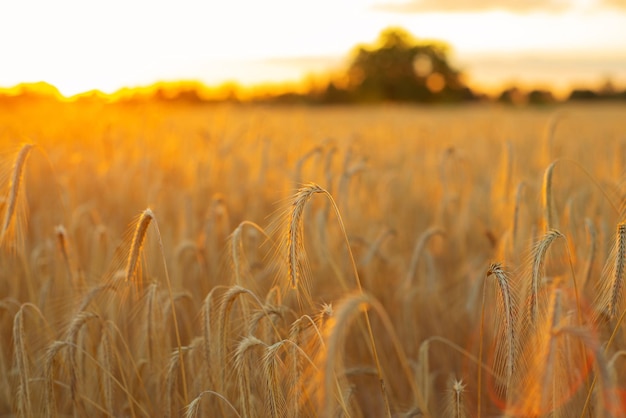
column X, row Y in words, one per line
column 400, row 68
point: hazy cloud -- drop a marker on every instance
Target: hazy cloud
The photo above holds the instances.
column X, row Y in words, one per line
column 516, row 6
column 617, row 4
column 324, row 61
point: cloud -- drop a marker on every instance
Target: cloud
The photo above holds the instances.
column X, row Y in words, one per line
column 615, row 4
column 516, row 6
column 322, row 61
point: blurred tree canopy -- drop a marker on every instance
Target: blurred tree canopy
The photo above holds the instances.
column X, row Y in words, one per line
column 397, row 67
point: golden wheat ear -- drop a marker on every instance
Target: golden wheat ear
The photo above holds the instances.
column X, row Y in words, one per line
column 507, row 348
column 539, row 258
column 139, row 236
column 295, row 232
column 611, row 288
column 131, row 275
column 10, row 228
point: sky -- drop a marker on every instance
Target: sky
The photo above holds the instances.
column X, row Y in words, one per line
column 80, row 45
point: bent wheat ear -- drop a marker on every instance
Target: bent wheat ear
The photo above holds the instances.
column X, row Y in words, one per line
column 538, row 263
column 16, row 181
column 295, row 230
column 191, row 410
column 242, row 368
column 50, row 402
column 418, row 250
column 61, row 235
column 138, row 239
column 236, row 247
column 139, row 236
column 508, row 304
column 76, row 324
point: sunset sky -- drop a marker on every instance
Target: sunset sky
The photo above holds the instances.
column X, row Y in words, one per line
column 83, row 45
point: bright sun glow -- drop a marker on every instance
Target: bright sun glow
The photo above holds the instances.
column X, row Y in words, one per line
column 80, row 46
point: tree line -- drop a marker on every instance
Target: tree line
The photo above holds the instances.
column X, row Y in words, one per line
column 397, row 67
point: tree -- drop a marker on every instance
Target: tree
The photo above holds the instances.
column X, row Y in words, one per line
column 400, row 68
column 540, row 97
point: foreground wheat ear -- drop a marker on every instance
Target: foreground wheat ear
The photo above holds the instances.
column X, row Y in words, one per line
column 295, row 246
column 137, row 243
column 507, row 313
column 139, row 237
column 14, row 189
column 617, row 285
column 507, row 307
column 295, row 227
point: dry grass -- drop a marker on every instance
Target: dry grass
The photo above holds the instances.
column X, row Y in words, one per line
column 415, row 270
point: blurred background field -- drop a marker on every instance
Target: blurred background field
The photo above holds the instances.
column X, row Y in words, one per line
column 430, row 197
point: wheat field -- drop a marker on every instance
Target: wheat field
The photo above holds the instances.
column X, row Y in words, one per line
column 249, row 261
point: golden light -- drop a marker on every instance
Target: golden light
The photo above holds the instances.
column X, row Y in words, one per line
column 435, row 82
column 79, row 47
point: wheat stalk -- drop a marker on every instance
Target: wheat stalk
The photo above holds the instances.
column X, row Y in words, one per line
column 591, row 238
column 518, row 203
column 170, row 380
column 242, row 367
column 303, row 195
column 236, row 247
column 543, row 373
column 613, row 406
column 375, row 246
column 549, row 133
column 417, row 252
column 207, row 309
column 300, row 163
column 223, row 322
column 147, row 217
column 547, row 199
column 152, row 323
column 269, row 366
column 104, row 354
column 23, row 397
column 49, row 400
column 173, row 366
column 537, row 271
column 78, row 321
column 296, row 329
